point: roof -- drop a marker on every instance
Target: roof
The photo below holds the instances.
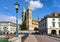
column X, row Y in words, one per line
column 5, row 22
column 35, row 20
column 52, row 15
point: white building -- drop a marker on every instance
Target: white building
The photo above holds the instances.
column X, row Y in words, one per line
column 7, row 27
column 50, row 24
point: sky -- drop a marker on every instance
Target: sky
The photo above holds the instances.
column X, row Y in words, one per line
column 39, row 8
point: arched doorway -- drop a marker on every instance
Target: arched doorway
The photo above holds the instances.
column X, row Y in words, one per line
column 36, row 30
column 59, row 32
column 53, row 32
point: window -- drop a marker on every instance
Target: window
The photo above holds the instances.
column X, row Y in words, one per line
column 53, row 19
column 59, row 24
column 45, row 24
column 5, row 29
column 53, row 23
column 59, row 19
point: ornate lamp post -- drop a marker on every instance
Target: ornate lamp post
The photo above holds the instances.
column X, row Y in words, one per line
column 16, row 7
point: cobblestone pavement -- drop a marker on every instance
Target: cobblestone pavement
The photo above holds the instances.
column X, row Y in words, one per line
column 44, row 38
column 31, row 38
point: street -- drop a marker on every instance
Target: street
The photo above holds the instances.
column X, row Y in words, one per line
column 44, row 38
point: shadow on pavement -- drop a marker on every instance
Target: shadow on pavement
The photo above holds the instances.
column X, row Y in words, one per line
column 56, row 36
column 24, row 37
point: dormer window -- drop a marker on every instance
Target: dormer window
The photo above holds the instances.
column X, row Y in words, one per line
column 56, row 14
column 59, row 14
column 53, row 14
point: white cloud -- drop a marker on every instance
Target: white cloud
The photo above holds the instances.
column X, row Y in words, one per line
column 9, row 18
column 35, row 4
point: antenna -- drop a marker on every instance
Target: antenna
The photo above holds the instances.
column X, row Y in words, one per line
column 38, row 17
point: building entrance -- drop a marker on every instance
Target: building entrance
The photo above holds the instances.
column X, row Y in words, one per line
column 59, row 32
column 53, row 32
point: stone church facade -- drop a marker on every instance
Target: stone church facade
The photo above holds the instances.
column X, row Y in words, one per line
column 27, row 17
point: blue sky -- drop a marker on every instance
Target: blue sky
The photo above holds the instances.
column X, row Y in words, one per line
column 39, row 8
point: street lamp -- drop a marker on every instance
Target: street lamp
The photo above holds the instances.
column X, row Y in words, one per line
column 16, row 7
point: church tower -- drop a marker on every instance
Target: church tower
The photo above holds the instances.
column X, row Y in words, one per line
column 23, row 14
column 29, row 18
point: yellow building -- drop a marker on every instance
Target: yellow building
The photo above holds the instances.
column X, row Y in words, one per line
column 35, row 24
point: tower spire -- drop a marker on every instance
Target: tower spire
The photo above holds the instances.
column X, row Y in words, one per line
column 23, row 9
column 28, row 5
column 38, row 18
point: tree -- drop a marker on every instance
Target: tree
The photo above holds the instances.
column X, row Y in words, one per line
column 23, row 26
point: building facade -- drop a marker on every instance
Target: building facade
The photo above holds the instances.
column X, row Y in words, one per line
column 27, row 17
column 35, row 24
column 7, row 27
column 50, row 24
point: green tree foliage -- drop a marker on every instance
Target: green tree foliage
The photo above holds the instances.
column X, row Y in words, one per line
column 23, row 26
